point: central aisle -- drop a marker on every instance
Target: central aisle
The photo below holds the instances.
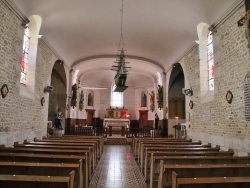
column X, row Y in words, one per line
column 117, row 169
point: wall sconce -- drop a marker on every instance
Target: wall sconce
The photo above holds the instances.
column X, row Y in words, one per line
column 188, row 92
column 48, row 89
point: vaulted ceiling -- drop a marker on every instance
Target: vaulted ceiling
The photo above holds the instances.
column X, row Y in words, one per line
column 86, row 33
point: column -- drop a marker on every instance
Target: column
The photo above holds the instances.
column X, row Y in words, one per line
column 165, row 121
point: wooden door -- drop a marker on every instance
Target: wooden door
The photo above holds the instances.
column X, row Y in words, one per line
column 143, row 116
column 90, row 115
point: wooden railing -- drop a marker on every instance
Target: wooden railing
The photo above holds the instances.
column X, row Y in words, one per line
column 143, row 132
column 95, row 131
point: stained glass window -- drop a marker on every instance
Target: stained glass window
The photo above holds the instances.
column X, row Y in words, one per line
column 210, row 61
column 117, row 99
column 25, row 53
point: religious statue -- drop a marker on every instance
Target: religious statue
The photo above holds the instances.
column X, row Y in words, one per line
column 81, row 101
column 143, row 100
column 156, row 120
column 58, row 120
column 90, row 99
column 152, row 101
column 160, row 97
column 74, row 96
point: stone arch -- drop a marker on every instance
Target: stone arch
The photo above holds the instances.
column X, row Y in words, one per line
column 58, row 97
column 176, row 100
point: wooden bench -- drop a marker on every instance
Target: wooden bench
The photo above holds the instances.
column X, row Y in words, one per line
column 90, row 144
column 92, row 154
column 155, row 162
column 68, row 140
column 144, row 150
column 136, row 141
column 49, row 151
column 228, row 182
column 168, row 143
column 145, row 155
column 43, row 169
column 201, row 170
column 43, row 158
column 31, row 181
column 100, row 139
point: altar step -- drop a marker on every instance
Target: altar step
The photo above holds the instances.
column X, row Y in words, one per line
column 117, row 141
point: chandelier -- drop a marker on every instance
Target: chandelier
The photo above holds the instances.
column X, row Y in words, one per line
column 120, row 63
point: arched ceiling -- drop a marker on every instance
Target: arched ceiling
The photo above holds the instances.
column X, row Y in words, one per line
column 86, row 33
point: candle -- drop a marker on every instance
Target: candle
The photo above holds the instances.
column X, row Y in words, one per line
column 176, row 120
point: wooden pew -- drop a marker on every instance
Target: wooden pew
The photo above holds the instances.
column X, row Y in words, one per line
column 43, row 169
column 144, row 150
column 44, row 146
column 169, row 142
column 228, row 182
column 136, row 141
column 29, row 181
column 145, row 155
column 100, row 139
column 49, row 151
column 97, row 141
column 73, row 140
column 201, row 170
column 163, row 142
column 155, row 162
column 90, row 144
column 42, row 158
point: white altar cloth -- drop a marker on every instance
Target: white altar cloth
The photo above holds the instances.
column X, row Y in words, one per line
column 116, row 122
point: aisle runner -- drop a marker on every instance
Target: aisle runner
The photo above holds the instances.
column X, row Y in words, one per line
column 117, row 169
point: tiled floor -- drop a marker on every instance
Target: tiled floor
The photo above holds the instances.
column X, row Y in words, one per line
column 117, row 168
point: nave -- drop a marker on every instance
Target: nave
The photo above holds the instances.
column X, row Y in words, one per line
column 117, row 168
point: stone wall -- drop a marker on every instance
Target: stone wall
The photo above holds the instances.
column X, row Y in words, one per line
column 21, row 117
column 219, row 122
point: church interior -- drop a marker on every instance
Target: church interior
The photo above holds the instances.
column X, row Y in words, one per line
column 120, row 94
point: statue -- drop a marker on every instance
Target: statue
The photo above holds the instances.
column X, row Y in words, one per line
column 74, row 96
column 58, row 120
column 152, row 101
column 160, row 97
column 156, row 120
column 90, row 99
column 81, row 101
column 143, row 100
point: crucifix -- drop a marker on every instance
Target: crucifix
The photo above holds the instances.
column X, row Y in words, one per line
column 245, row 20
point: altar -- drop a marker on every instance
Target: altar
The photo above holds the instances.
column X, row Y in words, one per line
column 113, row 125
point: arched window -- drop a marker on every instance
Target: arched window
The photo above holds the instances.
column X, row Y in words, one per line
column 116, row 98
column 29, row 54
column 210, row 61
column 25, row 53
column 206, row 62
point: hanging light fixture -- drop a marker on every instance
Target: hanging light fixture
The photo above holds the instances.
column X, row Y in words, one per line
column 120, row 63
